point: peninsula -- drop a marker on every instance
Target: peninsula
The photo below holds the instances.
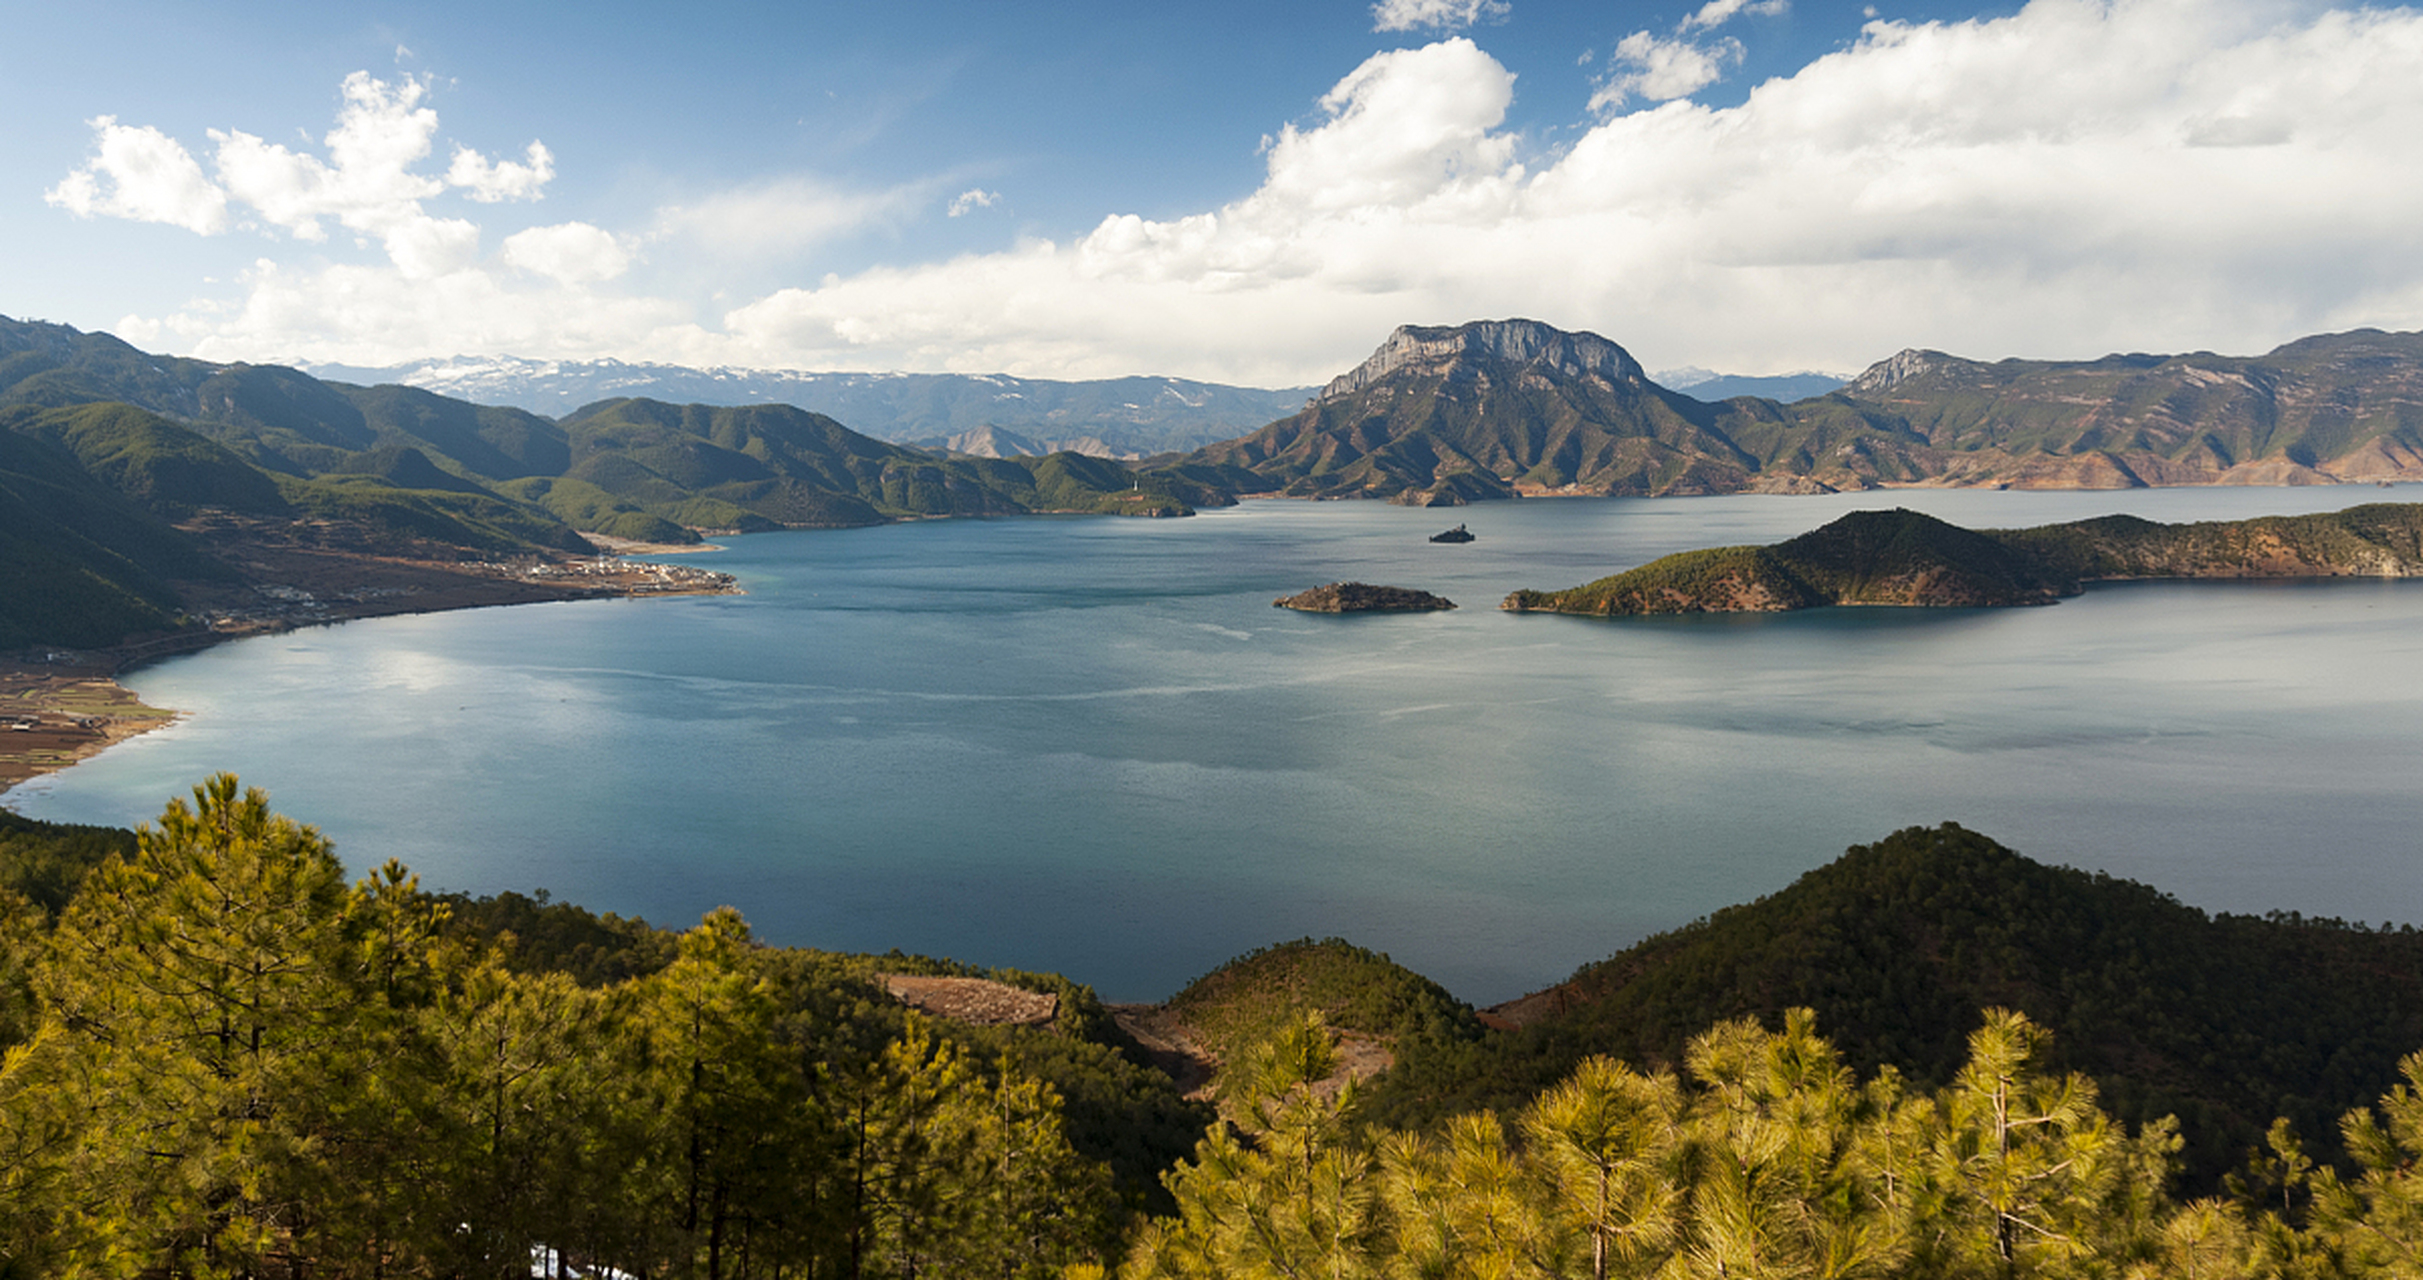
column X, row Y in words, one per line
column 1903, row 557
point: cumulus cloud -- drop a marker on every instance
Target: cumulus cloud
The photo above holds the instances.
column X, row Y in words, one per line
column 2073, row 178
column 1718, row 12
column 2076, row 177
column 570, row 252
column 1662, row 70
column 369, row 178
column 140, row 173
column 367, row 184
column 491, row 181
column 1434, row 15
column 972, row 199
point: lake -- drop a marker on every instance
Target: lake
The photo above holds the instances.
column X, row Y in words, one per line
column 1091, row 745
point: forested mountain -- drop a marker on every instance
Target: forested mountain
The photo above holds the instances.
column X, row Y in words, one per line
column 1904, row 557
column 632, row 467
column 767, row 466
column 221, row 1059
column 1495, row 409
column 1930, row 1059
column 2225, row 1021
column 81, row 563
column 132, row 444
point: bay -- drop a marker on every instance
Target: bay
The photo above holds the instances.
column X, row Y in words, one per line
column 1091, row 745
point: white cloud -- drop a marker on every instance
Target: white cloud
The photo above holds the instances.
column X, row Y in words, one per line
column 2077, row 177
column 1435, row 15
column 570, row 252
column 351, row 314
column 489, row 182
column 1662, row 70
column 972, row 199
column 367, row 184
column 142, row 174
column 1718, row 12
column 2046, row 183
column 1406, row 127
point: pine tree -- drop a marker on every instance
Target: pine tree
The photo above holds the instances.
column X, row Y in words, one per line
column 1606, row 1140
column 2031, row 1174
column 206, row 1011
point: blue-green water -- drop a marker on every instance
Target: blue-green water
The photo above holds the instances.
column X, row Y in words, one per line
column 1091, row 745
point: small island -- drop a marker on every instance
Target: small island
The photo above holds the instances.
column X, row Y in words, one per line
column 1906, row 558
column 1457, row 534
column 1361, row 597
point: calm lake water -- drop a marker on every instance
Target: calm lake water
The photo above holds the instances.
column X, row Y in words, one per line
column 1091, row 745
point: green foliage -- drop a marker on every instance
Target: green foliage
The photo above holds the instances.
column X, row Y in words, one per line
column 80, row 565
column 478, row 521
column 46, row 862
column 1686, row 582
column 590, row 509
column 1772, row 1160
column 774, row 464
column 152, row 460
column 533, row 934
column 237, row 1065
column 1250, row 999
column 1903, row 557
column 2224, row 1021
column 230, row 1062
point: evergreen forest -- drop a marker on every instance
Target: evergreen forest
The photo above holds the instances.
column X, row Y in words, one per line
column 225, row 1058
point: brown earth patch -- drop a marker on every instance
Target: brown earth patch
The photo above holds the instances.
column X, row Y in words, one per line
column 54, row 713
column 1179, row 1051
column 977, row 1001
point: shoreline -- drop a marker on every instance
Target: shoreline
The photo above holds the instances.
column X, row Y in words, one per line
column 60, row 707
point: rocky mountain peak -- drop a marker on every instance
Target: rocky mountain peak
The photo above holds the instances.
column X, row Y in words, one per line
column 1909, row 362
column 1433, row 349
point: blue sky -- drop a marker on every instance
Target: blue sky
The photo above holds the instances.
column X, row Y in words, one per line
column 1244, row 192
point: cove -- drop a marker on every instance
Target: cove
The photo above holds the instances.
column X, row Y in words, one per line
column 1091, row 745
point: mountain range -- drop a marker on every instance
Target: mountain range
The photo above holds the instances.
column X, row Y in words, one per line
column 989, row 415
column 1497, row 409
column 115, row 454
column 127, row 479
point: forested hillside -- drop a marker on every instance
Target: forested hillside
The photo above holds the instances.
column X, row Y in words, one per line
column 2227, row 1022
column 128, row 478
column 222, row 1059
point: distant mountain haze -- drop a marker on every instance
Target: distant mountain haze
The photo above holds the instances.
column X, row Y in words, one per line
column 989, row 415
